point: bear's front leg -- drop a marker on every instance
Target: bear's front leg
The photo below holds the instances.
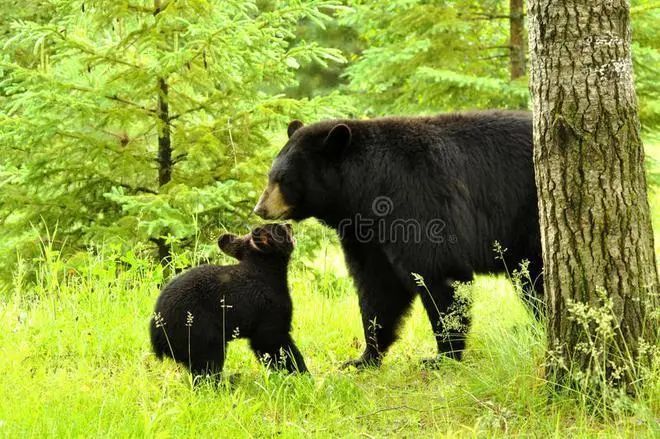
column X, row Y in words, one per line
column 381, row 317
column 278, row 351
column 383, row 302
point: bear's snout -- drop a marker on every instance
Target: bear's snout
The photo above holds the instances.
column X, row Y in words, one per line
column 271, row 204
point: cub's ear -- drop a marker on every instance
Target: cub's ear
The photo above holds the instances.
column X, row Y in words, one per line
column 262, row 240
column 294, row 126
column 338, row 138
column 230, row 246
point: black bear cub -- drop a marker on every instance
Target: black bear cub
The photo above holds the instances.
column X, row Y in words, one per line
column 199, row 311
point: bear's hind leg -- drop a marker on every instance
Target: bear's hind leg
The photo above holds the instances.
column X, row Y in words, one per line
column 208, row 361
column 450, row 325
column 294, row 359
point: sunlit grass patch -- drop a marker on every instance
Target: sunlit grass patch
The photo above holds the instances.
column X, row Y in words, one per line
column 75, row 360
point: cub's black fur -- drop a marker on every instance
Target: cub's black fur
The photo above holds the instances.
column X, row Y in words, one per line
column 251, row 299
column 427, row 195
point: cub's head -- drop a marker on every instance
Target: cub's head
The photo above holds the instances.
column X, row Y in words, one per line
column 304, row 180
column 265, row 240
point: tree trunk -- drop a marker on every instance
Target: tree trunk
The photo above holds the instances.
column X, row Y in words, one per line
column 165, row 162
column 516, row 39
column 164, row 136
column 164, row 157
column 594, row 214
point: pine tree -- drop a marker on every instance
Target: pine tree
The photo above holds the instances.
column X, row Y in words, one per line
column 437, row 56
column 428, row 57
column 144, row 121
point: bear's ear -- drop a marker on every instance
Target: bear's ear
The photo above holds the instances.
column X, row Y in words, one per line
column 338, row 138
column 229, row 245
column 294, row 126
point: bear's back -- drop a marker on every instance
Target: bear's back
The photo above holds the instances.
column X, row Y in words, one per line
column 474, row 171
column 198, row 282
column 472, row 133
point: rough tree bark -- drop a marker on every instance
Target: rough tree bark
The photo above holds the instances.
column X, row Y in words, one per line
column 594, row 212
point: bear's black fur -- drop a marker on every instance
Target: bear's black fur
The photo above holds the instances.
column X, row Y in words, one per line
column 251, row 298
column 427, row 195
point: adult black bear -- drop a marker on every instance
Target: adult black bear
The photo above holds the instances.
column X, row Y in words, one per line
column 427, row 195
column 199, row 311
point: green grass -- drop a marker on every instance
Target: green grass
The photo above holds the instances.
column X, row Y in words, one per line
column 75, row 361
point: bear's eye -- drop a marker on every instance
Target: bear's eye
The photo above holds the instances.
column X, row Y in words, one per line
column 282, row 179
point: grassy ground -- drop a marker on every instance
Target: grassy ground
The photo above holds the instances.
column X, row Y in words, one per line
column 75, row 361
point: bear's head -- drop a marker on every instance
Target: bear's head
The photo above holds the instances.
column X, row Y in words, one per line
column 304, row 180
column 266, row 240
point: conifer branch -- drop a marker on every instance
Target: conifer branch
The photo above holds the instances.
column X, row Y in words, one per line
column 131, row 103
column 476, row 16
column 188, row 111
column 114, row 97
column 161, row 7
column 136, row 188
column 89, row 51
